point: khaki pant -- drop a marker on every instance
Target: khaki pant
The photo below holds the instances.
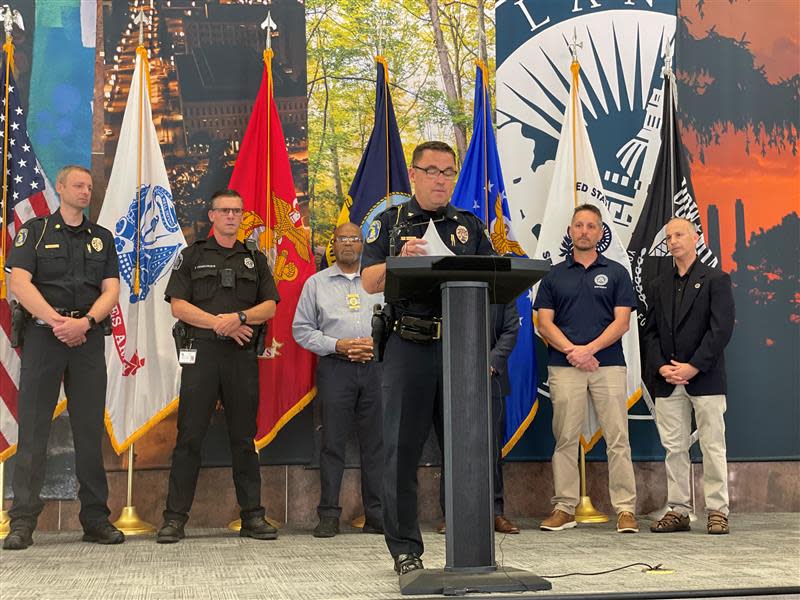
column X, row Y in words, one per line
column 569, row 391
column 674, row 421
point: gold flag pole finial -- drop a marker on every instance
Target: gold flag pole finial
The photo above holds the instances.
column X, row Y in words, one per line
column 10, row 18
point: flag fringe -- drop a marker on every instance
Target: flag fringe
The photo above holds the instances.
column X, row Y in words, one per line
column 11, row 450
column 287, row 416
column 120, row 447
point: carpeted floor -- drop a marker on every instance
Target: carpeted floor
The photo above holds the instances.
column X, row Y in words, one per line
column 762, row 550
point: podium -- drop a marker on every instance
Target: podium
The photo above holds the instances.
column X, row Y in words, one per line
column 467, row 285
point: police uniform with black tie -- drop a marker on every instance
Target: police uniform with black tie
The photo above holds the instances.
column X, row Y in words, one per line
column 412, row 368
column 68, row 265
column 217, row 280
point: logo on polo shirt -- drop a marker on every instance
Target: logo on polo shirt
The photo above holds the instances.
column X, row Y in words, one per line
column 600, row 280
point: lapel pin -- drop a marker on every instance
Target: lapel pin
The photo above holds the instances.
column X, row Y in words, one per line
column 697, row 286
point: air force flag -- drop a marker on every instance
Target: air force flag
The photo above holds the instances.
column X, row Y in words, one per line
column 143, row 370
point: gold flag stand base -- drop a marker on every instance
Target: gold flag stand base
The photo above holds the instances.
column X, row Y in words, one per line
column 237, row 524
column 358, row 522
column 129, row 523
column 585, row 512
column 5, row 524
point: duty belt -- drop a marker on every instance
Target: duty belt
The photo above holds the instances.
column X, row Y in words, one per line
column 415, row 329
column 196, row 333
column 64, row 312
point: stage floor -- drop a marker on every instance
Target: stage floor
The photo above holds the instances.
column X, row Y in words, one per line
column 763, row 550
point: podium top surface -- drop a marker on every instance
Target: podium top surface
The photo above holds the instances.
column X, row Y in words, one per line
column 420, row 277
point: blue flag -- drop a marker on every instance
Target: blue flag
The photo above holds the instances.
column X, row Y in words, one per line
column 381, row 180
column 480, row 189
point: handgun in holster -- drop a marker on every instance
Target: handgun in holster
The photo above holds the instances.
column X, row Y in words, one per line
column 179, row 335
column 381, row 328
column 261, row 339
column 19, row 317
column 105, row 325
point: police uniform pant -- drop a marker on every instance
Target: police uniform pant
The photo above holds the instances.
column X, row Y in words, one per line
column 674, row 421
column 45, row 361
column 226, row 371
column 412, row 395
column 349, row 393
column 498, row 418
column 569, row 391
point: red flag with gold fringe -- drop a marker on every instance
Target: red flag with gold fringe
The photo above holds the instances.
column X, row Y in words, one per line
column 263, row 177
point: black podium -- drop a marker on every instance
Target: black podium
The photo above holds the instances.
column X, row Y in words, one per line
column 467, row 285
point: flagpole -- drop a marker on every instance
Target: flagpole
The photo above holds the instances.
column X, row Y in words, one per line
column 129, row 522
column 668, row 81
column 585, row 512
column 380, row 59
column 485, row 99
column 269, row 26
column 10, row 17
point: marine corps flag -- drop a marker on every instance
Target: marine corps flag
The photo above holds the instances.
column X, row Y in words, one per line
column 143, row 371
column 670, row 194
column 576, row 181
column 263, row 177
column 480, row 189
column 381, row 180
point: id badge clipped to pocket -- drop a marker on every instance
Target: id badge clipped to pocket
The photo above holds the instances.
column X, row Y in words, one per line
column 187, row 356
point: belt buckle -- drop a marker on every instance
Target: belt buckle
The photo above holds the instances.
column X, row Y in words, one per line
column 438, row 334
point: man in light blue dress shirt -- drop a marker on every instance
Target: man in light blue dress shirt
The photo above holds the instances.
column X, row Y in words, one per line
column 333, row 320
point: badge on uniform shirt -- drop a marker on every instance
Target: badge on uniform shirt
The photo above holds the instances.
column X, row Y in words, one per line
column 600, row 280
column 22, row 235
column 462, row 234
column 374, row 231
column 97, row 244
column 354, row 302
column 248, row 262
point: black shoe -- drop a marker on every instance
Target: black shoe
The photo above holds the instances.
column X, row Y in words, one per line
column 18, row 539
column 405, row 563
column 258, row 529
column 103, row 533
column 327, row 527
column 171, row 532
column 372, row 528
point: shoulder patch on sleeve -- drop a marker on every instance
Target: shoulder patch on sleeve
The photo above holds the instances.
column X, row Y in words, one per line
column 22, row 235
column 374, row 231
column 178, row 262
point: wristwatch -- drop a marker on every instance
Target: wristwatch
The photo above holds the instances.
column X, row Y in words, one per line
column 242, row 317
column 92, row 321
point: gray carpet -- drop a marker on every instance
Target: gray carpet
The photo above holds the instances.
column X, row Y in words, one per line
column 763, row 550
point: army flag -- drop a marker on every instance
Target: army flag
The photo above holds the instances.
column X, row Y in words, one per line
column 480, row 189
column 263, row 177
column 381, row 180
column 143, row 371
column 576, row 181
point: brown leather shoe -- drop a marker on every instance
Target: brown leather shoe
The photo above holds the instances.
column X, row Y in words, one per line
column 558, row 521
column 503, row 525
column 626, row 523
column 441, row 528
column 717, row 523
column 670, row 523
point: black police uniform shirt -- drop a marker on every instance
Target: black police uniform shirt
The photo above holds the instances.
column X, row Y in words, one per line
column 68, row 263
column 460, row 230
column 584, row 300
column 221, row 280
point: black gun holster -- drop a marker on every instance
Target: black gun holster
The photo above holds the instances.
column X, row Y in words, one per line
column 19, row 318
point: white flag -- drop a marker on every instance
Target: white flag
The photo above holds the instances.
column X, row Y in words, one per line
column 576, row 180
column 143, row 371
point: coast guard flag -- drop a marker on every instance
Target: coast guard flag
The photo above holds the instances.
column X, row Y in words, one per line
column 381, row 180
column 143, row 371
column 576, row 180
column 480, row 189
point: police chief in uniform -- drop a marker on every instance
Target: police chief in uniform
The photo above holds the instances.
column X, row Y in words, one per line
column 221, row 291
column 64, row 272
column 412, row 368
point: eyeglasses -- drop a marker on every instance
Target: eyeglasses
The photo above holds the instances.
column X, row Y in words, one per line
column 353, row 239
column 228, row 211
column 433, row 172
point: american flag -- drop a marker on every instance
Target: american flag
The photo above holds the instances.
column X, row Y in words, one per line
column 28, row 196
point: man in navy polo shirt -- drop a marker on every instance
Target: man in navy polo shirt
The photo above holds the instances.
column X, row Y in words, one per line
column 584, row 306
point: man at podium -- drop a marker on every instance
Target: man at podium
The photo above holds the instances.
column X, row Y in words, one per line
column 412, row 369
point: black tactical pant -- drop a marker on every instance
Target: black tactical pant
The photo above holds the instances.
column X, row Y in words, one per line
column 349, row 394
column 45, row 361
column 412, row 402
column 226, row 371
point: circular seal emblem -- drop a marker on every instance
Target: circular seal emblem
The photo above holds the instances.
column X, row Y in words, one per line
column 248, row 262
column 97, row 244
column 462, row 234
column 22, row 235
column 374, row 231
column 600, row 279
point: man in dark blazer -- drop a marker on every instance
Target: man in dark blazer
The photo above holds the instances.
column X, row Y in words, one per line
column 689, row 323
column 504, row 323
